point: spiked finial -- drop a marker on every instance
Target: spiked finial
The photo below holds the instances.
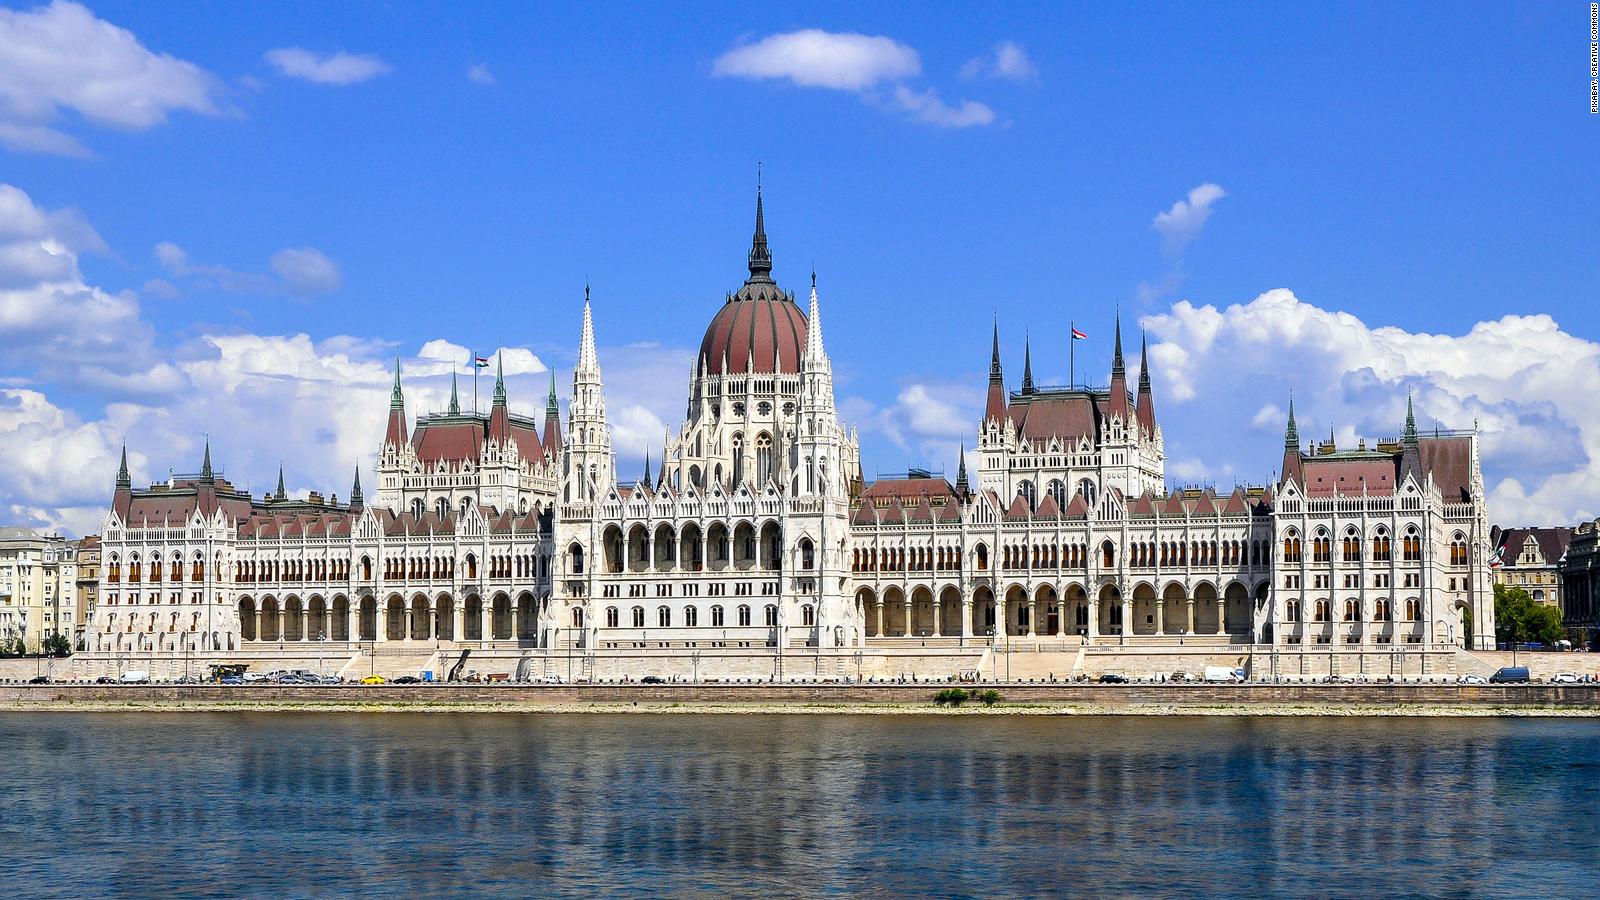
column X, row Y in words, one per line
column 1291, row 434
column 282, row 494
column 455, row 404
column 760, row 257
column 646, row 480
column 500, row 377
column 1027, row 366
column 397, row 400
column 1411, row 422
column 551, row 407
column 588, row 360
column 205, row 465
column 961, row 471
column 1144, row 364
column 124, row 480
column 356, row 501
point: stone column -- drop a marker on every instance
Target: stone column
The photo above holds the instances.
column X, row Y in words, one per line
column 878, row 609
column 966, row 616
column 1222, row 611
column 486, row 621
column 1190, row 604
column 908, row 616
column 516, row 620
column 458, row 620
column 938, row 616
column 1127, row 618
column 1161, row 616
column 1033, row 617
column 352, row 614
column 1094, row 618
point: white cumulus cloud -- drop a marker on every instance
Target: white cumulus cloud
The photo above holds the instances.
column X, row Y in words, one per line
column 305, row 271
column 327, row 68
column 1182, row 223
column 62, row 57
column 926, row 106
column 1532, row 388
column 816, row 58
column 1006, row 62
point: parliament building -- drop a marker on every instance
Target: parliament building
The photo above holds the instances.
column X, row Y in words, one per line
column 758, row 549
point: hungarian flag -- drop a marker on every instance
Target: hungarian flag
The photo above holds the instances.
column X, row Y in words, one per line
column 480, row 362
column 1078, row 335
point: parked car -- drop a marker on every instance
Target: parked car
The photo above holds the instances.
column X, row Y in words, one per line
column 254, row 677
column 1472, row 679
column 406, row 679
column 1510, row 675
column 231, row 679
column 1223, row 675
column 1113, row 678
column 105, row 679
column 39, row 679
column 551, row 679
column 330, row 679
column 1565, row 678
column 374, row 679
column 134, row 676
column 652, row 679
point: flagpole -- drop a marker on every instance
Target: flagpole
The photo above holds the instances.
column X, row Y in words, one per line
column 1072, row 354
column 474, row 363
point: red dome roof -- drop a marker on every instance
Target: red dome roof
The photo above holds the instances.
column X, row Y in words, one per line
column 760, row 331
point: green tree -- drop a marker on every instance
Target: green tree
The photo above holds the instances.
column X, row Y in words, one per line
column 1518, row 619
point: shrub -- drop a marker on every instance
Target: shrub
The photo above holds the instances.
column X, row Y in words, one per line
column 989, row 697
column 950, row 697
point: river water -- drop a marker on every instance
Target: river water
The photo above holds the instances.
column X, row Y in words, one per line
column 424, row 804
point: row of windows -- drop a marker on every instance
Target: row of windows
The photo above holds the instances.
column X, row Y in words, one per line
column 1382, row 611
column 691, row 616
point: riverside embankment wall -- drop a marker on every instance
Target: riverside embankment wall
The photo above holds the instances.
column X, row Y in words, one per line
column 857, row 695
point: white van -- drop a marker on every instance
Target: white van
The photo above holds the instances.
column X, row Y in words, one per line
column 1223, row 675
column 135, row 676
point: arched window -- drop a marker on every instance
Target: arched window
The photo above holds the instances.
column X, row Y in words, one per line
column 1458, row 549
column 738, row 459
column 1058, row 490
column 638, row 617
column 691, row 616
column 1291, row 611
column 443, row 507
column 664, row 617
column 1321, row 547
column 1352, row 610
column 808, row 615
column 1026, row 491
column 772, row 616
column 744, row 615
column 716, row 617
column 1380, row 545
column 577, row 618
column 472, row 566
column 1291, row 546
column 1411, row 545
column 807, row 554
column 982, row 553
column 764, row 470
column 611, row 617
column 1108, row 555
column 1087, row 490
column 417, row 508
column 1413, row 610
column 576, row 552
column 1380, row 610
column 1352, row 544
column 1322, row 614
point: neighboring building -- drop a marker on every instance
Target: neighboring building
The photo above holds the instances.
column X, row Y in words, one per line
column 88, row 587
column 759, row 531
column 1580, row 585
column 1530, row 559
column 38, row 586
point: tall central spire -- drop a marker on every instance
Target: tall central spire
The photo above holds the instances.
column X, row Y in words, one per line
column 588, row 360
column 760, row 258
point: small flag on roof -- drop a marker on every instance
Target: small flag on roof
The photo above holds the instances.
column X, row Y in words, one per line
column 1078, row 335
column 480, row 362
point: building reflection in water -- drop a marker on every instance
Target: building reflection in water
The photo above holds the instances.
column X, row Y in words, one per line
column 447, row 803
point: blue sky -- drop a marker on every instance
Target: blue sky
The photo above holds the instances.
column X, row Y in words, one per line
column 1404, row 179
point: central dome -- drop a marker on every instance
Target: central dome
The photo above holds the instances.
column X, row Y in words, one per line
column 760, row 330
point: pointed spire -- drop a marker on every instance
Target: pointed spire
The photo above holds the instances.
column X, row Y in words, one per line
column 994, row 356
column 1144, row 364
column 397, row 399
column 962, row 487
column 1411, row 423
column 1027, row 365
column 646, row 480
column 1291, row 434
column 356, row 500
column 1145, row 409
column 455, row 404
column 1117, row 367
column 552, row 408
column 205, row 465
column 282, row 494
column 760, row 258
column 124, row 480
column 500, row 378
column 587, row 358
column 814, row 351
